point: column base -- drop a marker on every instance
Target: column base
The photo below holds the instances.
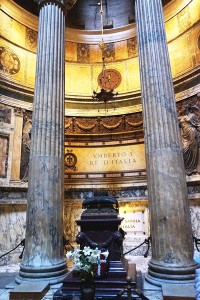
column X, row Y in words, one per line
column 159, row 274
column 53, row 275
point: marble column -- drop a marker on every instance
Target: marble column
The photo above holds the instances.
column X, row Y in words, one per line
column 171, row 233
column 44, row 252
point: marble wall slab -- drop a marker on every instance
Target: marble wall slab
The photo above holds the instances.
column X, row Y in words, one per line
column 12, row 231
column 4, row 145
column 7, row 125
column 135, row 214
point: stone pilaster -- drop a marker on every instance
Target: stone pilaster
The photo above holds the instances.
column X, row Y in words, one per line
column 172, row 245
column 44, row 252
column 17, row 143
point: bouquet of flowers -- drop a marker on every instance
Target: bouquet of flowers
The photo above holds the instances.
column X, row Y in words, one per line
column 88, row 262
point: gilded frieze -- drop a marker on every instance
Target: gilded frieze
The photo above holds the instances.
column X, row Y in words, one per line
column 81, row 77
column 132, row 47
column 181, row 62
column 184, row 19
column 103, row 125
column 83, row 53
column 121, row 50
column 95, row 54
column 6, row 25
column 9, row 61
column 195, row 34
column 13, row 64
column 109, row 52
column 15, row 31
column 31, row 39
column 132, row 74
column 109, row 159
column 70, row 51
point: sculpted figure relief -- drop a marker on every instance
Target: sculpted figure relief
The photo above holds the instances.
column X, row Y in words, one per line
column 26, row 141
column 189, row 122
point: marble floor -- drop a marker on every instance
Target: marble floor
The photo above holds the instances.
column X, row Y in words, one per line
column 8, row 273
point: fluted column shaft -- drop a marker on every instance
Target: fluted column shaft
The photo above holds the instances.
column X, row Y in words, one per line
column 44, row 253
column 172, row 246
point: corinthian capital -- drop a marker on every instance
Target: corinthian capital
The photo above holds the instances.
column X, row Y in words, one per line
column 67, row 3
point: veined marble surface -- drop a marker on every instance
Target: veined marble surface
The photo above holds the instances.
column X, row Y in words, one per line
column 13, row 222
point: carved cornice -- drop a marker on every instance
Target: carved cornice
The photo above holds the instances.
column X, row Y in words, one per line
column 105, row 125
column 15, row 103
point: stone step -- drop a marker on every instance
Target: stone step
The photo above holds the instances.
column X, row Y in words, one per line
column 115, row 283
column 178, row 292
column 29, row 291
column 116, row 274
column 99, row 294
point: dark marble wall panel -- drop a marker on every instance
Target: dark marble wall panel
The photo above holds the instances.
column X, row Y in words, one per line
column 26, row 141
column 5, row 114
column 4, row 146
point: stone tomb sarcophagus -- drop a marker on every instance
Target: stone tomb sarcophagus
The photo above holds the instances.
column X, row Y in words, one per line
column 99, row 227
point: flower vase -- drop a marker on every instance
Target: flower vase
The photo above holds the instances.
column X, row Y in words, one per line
column 87, row 290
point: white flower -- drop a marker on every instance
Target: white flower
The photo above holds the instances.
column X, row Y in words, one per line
column 96, row 252
column 93, row 259
column 77, row 266
column 105, row 254
column 73, row 255
column 86, row 268
column 87, row 250
column 77, row 253
column 87, row 261
column 70, row 255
